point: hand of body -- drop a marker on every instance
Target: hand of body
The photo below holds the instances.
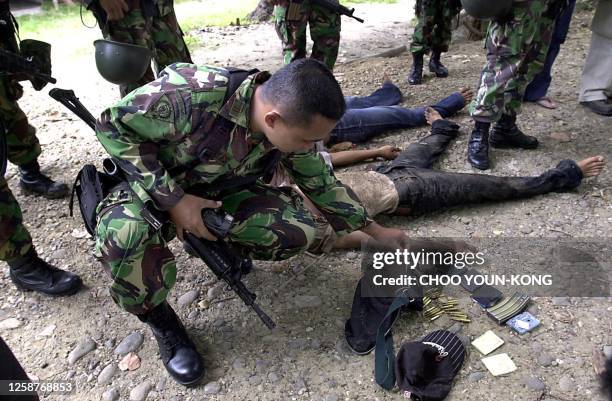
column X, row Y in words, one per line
column 115, row 9
column 187, row 216
column 388, row 152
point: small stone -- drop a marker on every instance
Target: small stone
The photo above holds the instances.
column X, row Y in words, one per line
column 238, row 363
column 545, row 360
column 110, row 343
column 10, row 323
column 140, row 392
column 566, row 384
column 331, row 397
column 111, row 395
column 561, row 136
column 81, row 350
column 561, row 301
column 351, row 255
column 212, row 388
column 107, row 373
column 187, row 298
column 130, row 362
column 607, row 350
column 161, row 384
column 534, row 384
column 219, row 322
column 307, row 301
column 476, row 376
column 214, row 291
column 273, row 377
column 129, row 343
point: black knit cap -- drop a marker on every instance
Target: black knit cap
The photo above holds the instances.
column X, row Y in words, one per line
column 426, row 368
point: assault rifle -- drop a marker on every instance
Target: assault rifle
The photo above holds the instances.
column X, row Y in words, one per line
column 337, row 8
column 22, row 67
column 217, row 255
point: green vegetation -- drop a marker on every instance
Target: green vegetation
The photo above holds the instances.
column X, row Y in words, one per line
column 192, row 15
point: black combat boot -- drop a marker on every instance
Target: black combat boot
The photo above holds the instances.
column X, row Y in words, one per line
column 178, row 353
column 478, row 146
column 29, row 272
column 33, row 181
column 436, row 66
column 505, row 134
column 416, row 72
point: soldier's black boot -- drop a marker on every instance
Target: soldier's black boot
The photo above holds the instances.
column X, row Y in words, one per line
column 416, row 71
column 33, row 181
column 505, row 134
column 178, row 353
column 29, row 272
column 436, row 66
column 478, row 146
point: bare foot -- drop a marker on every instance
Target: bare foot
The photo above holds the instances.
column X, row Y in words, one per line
column 467, row 94
column 591, row 166
column 432, row 115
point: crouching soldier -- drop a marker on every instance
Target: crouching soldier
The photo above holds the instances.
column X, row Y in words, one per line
column 202, row 137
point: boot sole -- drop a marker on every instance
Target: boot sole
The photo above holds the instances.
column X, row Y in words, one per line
column 47, row 196
column 72, row 291
column 507, row 146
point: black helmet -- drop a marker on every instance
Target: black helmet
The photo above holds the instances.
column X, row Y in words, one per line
column 121, row 63
column 487, row 9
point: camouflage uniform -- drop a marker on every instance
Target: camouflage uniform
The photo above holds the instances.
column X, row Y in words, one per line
column 154, row 27
column 516, row 52
column 433, row 29
column 22, row 148
column 157, row 129
column 291, row 19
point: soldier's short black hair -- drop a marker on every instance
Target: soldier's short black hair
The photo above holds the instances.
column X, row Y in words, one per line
column 304, row 88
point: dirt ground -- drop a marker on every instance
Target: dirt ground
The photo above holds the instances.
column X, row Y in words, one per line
column 305, row 358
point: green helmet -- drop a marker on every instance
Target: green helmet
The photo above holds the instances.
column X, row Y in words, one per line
column 487, row 9
column 121, row 63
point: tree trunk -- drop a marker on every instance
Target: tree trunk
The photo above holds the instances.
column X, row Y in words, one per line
column 262, row 12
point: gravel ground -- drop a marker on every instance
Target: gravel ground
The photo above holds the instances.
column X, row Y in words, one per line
column 305, row 358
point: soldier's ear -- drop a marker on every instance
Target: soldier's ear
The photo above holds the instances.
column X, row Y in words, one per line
column 272, row 118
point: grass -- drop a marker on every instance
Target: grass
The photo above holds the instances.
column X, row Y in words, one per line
column 192, row 14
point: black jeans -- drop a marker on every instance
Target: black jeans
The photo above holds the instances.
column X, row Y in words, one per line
column 423, row 190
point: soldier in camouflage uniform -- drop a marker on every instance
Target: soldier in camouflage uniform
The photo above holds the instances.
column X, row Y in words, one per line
column 517, row 45
column 292, row 17
column 432, row 33
column 156, row 133
column 148, row 23
column 20, row 146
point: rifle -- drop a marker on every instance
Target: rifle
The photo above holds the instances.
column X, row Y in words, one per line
column 217, row 255
column 337, row 8
column 15, row 64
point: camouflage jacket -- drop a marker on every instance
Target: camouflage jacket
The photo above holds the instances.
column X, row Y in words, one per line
column 157, row 128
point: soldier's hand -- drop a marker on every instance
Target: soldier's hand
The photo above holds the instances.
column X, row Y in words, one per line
column 115, row 9
column 388, row 152
column 187, row 216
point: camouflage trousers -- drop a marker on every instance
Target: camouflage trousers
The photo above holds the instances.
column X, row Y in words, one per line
column 23, row 146
column 516, row 52
column 269, row 224
column 433, row 29
column 291, row 21
column 15, row 239
column 159, row 32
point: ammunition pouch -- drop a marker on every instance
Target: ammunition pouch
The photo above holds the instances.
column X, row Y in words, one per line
column 91, row 187
column 40, row 54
